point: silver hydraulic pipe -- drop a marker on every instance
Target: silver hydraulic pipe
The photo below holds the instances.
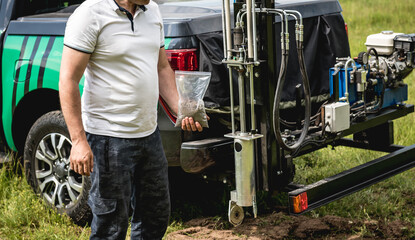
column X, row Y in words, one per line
column 284, row 26
column 346, row 94
column 338, row 67
column 228, row 29
column 287, row 35
column 249, row 28
column 294, row 12
column 284, row 23
column 299, row 27
column 292, row 15
column 240, row 14
column 285, row 41
column 224, row 30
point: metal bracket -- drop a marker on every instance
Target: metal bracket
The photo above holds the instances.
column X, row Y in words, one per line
column 246, row 137
column 355, row 179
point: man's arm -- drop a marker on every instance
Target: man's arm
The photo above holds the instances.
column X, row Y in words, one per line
column 72, row 68
column 168, row 91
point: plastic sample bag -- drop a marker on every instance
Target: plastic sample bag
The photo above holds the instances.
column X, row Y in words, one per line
column 192, row 87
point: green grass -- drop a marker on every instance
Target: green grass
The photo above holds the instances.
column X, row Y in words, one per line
column 24, row 216
column 373, row 16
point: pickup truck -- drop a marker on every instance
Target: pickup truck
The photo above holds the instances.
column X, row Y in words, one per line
column 32, row 124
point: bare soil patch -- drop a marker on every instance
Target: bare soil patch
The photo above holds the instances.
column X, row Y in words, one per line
column 282, row 226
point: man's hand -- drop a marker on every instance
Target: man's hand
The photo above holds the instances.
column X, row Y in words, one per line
column 73, row 65
column 81, row 158
column 188, row 124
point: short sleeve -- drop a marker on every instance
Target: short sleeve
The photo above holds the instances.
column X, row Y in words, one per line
column 81, row 30
column 160, row 19
column 162, row 35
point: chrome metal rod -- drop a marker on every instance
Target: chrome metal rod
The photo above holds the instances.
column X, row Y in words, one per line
column 251, row 87
column 224, row 30
column 231, row 99
column 228, row 29
column 254, row 29
column 241, row 87
column 249, row 28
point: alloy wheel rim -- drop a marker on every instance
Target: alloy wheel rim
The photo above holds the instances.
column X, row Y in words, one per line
column 58, row 184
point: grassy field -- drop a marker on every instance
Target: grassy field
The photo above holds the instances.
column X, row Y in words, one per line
column 23, row 216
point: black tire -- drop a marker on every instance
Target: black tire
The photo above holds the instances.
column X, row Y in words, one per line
column 46, row 163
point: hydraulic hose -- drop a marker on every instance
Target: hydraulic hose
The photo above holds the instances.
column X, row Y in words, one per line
column 283, row 72
column 379, row 105
column 277, row 99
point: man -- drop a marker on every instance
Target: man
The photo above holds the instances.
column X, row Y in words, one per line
column 119, row 46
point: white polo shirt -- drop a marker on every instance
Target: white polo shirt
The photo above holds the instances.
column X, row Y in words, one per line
column 121, row 81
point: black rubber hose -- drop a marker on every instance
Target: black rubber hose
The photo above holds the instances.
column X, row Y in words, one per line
column 277, row 100
column 383, row 81
column 376, row 54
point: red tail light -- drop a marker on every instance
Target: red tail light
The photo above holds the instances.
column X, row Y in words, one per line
column 300, row 203
column 182, row 59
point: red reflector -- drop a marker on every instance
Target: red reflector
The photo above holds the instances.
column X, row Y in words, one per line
column 182, row 59
column 300, row 202
column 167, row 110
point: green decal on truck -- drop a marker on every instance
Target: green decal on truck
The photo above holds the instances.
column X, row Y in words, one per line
column 46, row 53
column 29, row 63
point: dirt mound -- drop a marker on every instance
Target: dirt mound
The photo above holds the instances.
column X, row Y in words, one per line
column 281, row 226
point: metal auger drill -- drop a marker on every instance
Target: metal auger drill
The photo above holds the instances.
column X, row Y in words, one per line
column 241, row 56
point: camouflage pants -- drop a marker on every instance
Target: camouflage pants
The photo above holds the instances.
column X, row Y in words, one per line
column 129, row 174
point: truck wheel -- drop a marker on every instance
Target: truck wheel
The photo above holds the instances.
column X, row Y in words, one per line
column 46, row 162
